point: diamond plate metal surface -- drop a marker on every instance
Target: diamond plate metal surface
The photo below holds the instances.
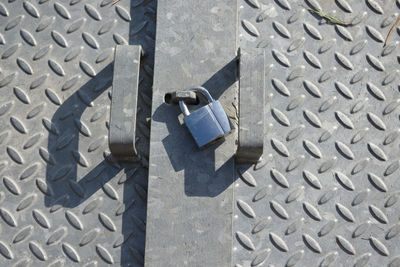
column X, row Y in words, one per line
column 63, row 199
column 326, row 191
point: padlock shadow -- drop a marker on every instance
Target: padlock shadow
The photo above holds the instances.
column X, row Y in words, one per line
column 204, row 175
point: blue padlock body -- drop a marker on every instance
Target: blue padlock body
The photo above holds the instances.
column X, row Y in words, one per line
column 208, row 123
column 220, row 115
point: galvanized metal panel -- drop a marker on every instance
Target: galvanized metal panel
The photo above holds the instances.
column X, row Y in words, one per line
column 325, row 192
column 189, row 211
column 64, row 201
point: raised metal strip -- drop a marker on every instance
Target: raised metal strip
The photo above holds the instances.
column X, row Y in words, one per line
column 251, row 106
column 189, row 212
column 326, row 192
column 124, row 101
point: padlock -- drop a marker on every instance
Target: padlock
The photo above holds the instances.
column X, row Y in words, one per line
column 208, row 123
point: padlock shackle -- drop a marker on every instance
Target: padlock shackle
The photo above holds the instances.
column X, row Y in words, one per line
column 184, row 108
column 197, row 89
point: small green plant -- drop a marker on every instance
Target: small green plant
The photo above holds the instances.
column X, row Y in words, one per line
column 328, row 17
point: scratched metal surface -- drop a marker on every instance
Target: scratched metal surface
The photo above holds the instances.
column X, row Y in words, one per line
column 63, row 200
column 326, row 191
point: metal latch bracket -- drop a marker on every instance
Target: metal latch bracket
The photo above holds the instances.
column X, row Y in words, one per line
column 123, row 108
column 251, row 105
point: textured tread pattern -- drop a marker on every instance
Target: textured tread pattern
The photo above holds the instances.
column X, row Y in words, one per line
column 63, row 199
column 325, row 191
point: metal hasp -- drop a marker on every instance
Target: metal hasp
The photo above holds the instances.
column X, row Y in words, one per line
column 189, row 97
column 251, row 106
column 124, row 102
column 190, row 191
column 208, row 123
